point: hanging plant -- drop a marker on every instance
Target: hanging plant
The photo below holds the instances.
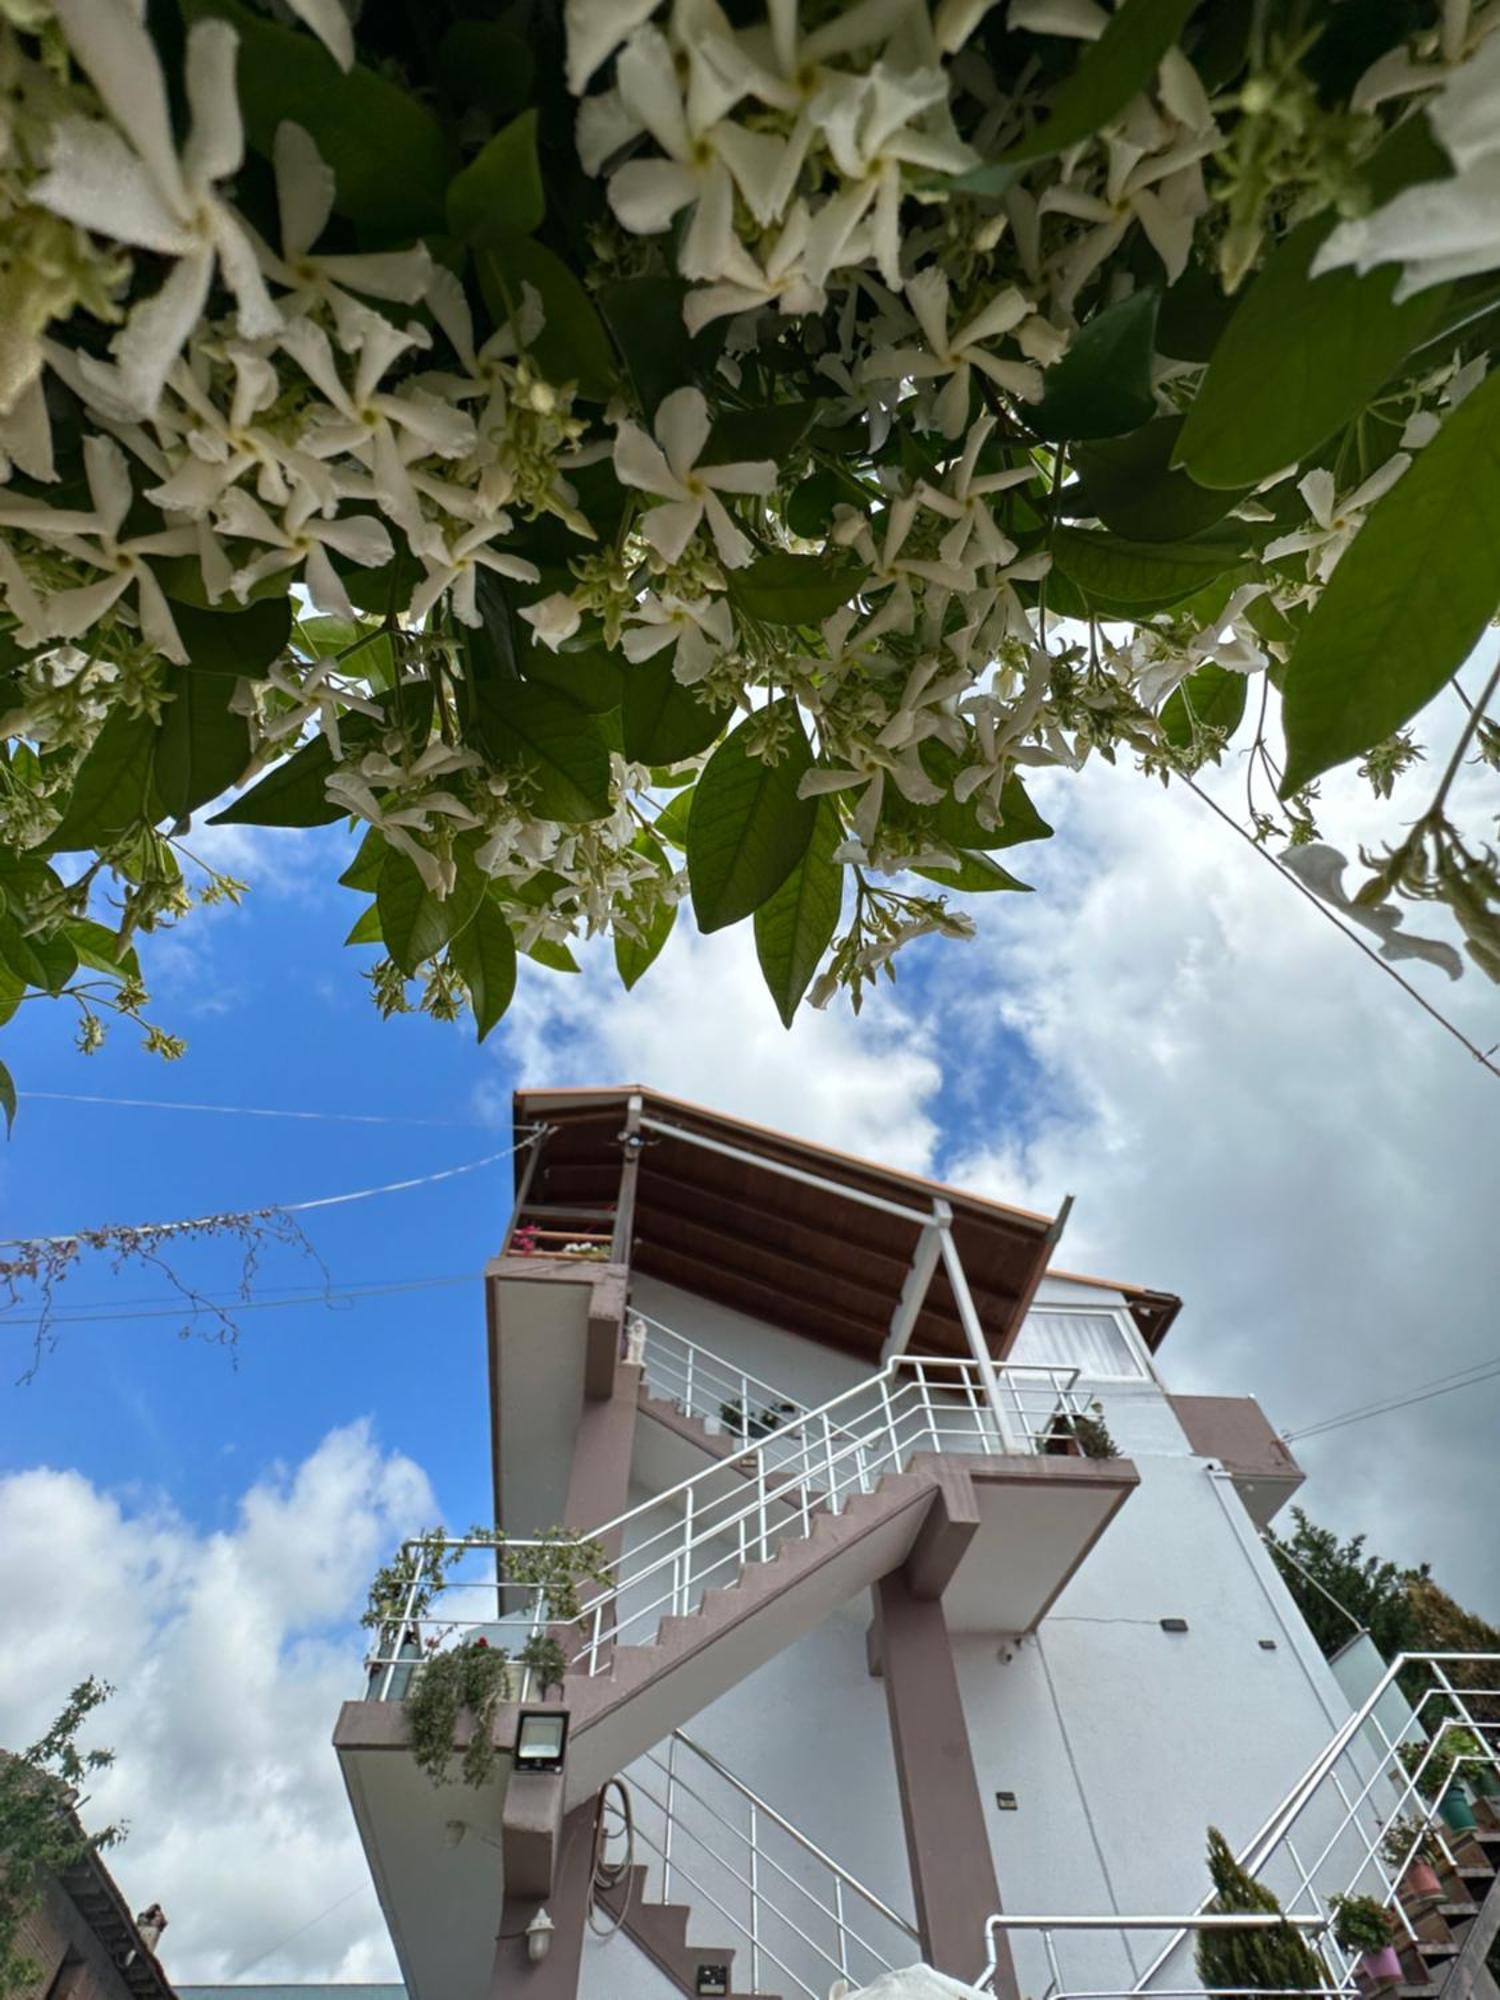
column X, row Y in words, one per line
column 473, row 1678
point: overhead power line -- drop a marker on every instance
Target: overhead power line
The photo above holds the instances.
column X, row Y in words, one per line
column 329, row 1295
column 246, row 1110
column 292, row 1207
column 1424, row 1392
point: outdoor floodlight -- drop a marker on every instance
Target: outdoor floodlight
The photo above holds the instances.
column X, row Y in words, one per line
column 541, row 1738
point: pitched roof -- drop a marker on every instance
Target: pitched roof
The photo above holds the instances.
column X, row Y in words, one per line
column 714, row 1215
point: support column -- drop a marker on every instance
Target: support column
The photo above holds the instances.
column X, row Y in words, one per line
column 947, row 1839
column 556, row 1977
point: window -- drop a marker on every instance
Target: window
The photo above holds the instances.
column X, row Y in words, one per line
column 1097, row 1344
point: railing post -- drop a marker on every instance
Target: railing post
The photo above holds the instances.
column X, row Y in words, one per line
column 687, row 1392
column 838, row 1917
column 1049, row 1945
column 754, row 1900
column 760, row 1477
column 666, row 1839
column 978, row 1347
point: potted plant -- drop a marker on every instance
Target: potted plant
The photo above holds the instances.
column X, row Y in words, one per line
column 1362, row 1927
column 1432, row 1766
column 1408, row 1850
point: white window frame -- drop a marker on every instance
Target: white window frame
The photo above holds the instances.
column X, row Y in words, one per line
column 1144, row 1370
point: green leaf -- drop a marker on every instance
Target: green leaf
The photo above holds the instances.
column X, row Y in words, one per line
column 572, row 345
column 1115, row 574
column 556, row 957
column 99, row 948
column 202, row 745
column 414, row 923
column 671, row 823
column 1102, row 386
column 390, row 157
column 1408, row 601
column 794, row 590
column 56, row 957
column 291, row 795
column 1129, row 484
column 366, row 927
column 112, row 788
column 955, row 823
column 499, row 194
column 664, row 721
column 795, row 926
column 645, row 317
column 749, row 828
column 245, row 640
column 593, row 677
column 554, row 741
column 363, row 871
column 1108, row 73
column 1302, row 356
column 773, row 432
column 7, row 1099
column 485, row 954
column 635, row 956
column 1214, row 696
column 484, row 65
column 975, row 875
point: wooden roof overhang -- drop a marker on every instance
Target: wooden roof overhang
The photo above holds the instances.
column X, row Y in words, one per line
column 731, row 1227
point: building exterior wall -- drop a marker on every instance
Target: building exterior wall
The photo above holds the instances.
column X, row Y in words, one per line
column 1121, row 1741
column 74, row 1964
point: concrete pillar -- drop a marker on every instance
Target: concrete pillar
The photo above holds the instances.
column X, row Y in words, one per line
column 947, row 1838
column 556, row 1978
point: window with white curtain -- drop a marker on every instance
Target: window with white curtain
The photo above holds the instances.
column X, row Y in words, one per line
column 1097, row 1344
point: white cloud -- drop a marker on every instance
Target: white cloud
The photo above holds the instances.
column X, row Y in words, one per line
column 230, row 1654
column 1249, row 1113
column 701, row 1026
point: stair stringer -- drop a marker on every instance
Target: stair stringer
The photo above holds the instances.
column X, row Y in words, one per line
column 650, row 1690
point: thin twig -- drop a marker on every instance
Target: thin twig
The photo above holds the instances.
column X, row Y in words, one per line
column 1476, row 716
column 1353, row 936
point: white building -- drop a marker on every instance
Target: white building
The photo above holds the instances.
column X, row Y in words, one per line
column 927, row 1599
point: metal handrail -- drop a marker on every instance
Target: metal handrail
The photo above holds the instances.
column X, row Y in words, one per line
column 808, row 1846
column 1278, row 1827
column 796, row 1471
column 749, row 1863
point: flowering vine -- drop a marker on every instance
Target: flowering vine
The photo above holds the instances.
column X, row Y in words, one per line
column 621, row 454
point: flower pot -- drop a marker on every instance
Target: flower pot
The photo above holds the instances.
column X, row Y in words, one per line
column 1380, row 1968
column 1420, row 1885
column 1455, row 1811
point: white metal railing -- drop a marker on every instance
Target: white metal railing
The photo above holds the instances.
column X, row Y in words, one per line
column 793, row 1911
column 705, row 1530
column 1327, row 1835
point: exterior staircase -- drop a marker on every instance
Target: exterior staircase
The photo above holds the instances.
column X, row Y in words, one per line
column 626, row 1698
column 706, row 1858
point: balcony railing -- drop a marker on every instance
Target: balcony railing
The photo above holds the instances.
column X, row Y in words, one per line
column 1327, row 1837
column 788, row 1466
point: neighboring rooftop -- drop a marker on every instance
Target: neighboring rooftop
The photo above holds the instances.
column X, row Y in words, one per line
column 723, row 1225
column 311, row 1991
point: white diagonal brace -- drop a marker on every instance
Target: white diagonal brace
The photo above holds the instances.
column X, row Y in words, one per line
column 924, row 1261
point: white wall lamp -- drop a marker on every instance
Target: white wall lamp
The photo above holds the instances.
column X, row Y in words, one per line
column 539, row 1937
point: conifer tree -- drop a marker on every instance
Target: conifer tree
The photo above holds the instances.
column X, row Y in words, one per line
column 1272, row 1959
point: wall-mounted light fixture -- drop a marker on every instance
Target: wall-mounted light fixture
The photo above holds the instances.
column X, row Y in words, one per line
column 539, row 1937
column 541, row 1739
column 1006, row 1801
column 1174, row 1624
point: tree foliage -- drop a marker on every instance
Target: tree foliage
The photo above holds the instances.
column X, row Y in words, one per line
column 39, row 1830
column 625, row 455
column 1275, row 1959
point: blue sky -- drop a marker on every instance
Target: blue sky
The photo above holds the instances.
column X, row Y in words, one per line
column 1245, row 1111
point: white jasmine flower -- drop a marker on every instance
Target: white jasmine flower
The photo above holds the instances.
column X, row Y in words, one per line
column 92, row 536
column 127, row 182
column 670, row 469
column 1334, row 526
column 782, row 280
column 301, row 540
column 955, row 354
column 330, row 22
column 700, row 628
column 595, row 30
column 1321, row 868
column 452, row 565
column 703, row 168
column 1080, row 20
column 304, row 200
column 553, row 619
